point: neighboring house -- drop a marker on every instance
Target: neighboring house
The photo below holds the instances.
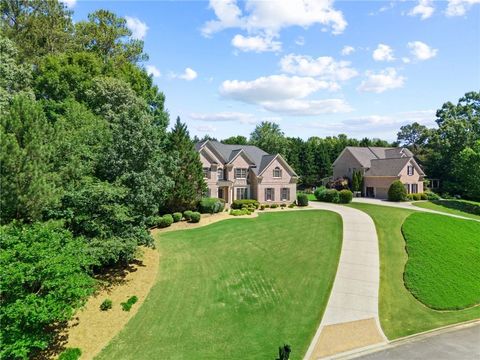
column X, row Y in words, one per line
column 246, row 172
column 380, row 166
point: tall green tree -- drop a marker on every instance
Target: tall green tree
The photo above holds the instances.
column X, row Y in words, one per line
column 188, row 173
column 269, row 137
column 236, row 140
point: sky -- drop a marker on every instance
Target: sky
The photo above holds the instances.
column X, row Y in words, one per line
column 317, row 68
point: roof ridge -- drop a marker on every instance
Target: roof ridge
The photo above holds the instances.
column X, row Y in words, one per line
column 372, row 152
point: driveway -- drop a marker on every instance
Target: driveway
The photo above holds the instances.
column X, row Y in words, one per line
column 351, row 317
column 458, row 344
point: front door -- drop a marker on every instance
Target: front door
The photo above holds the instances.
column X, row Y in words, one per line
column 220, row 193
column 370, row 192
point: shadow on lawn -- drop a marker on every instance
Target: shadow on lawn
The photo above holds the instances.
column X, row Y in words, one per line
column 459, row 205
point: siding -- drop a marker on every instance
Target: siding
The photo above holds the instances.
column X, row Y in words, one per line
column 343, row 163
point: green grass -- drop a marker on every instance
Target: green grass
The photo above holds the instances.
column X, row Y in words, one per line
column 401, row 314
column 454, row 207
column 236, row 289
column 443, row 267
column 311, row 196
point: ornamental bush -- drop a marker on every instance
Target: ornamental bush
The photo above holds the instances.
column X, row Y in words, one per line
column 195, row 217
column 106, row 305
column 188, row 215
column 238, row 204
column 397, row 191
column 431, row 195
column 177, row 216
column 165, row 221
column 127, row 305
column 291, row 206
column 330, row 195
column 318, row 191
column 345, row 196
column 70, row 354
column 302, row 199
column 273, row 206
column 211, row 205
column 240, row 212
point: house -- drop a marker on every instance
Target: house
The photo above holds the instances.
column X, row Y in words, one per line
column 246, row 172
column 380, row 166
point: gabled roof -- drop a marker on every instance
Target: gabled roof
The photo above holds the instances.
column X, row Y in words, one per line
column 365, row 155
column 387, row 167
column 228, row 152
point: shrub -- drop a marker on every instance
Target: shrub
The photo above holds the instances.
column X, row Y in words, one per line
column 187, row 215
column 262, row 207
column 238, row 204
column 266, row 206
column 106, row 305
column 211, row 205
column 195, row 217
column 423, row 196
column 240, row 212
column 302, row 199
column 127, row 305
column 345, row 196
column 164, row 221
column 283, row 205
column 70, row 354
column 273, row 206
column 292, row 205
column 330, row 195
column 397, row 191
column 319, row 191
column 177, row 216
column 431, row 195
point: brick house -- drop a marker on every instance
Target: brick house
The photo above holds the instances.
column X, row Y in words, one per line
column 380, row 166
column 246, row 172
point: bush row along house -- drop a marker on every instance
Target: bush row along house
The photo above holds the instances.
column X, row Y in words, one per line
column 246, row 172
column 380, row 166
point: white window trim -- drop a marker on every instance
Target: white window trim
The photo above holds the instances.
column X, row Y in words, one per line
column 277, row 168
column 237, row 193
column 287, row 198
column 220, row 171
column 240, row 170
column 412, row 172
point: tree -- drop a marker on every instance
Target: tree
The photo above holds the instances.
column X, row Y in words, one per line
column 44, row 279
column 413, row 135
column 236, row 140
column 357, row 180
column 188, row 174
column 269, row 137
column 467, row 171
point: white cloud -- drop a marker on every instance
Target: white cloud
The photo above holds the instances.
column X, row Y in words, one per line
column 256, row 43
column 459, row 7
column 406, row 60
column 152, row 70
column 381, row 81
column 347, row 50
column 137, row 27
column 296, row 107
column 188, row 74
column 421, row 51
column 271, row 88
column 206, row 128
column 300, row 41
column 424, row 8
column 69, row 3
column 244, row 118
column 383, row 52
column 324, row 67
column 269, row 17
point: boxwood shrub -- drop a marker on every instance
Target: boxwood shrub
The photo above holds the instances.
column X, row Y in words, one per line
column 330, row 195
column 319, row 191
column 211, row 205
column 188, row 215
column 165, row 221
column 431, row 195
column 302, row 199
column 195, row 217
column 177, row 216
column 240, row 212
column 397, row 191
column 238, row 204
column 70, row 354
column 106, row 305
column 345, row 196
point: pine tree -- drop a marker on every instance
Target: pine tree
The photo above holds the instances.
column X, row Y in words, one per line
column 188, row 177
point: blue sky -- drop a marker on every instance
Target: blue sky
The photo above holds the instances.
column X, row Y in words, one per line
column 316, row 67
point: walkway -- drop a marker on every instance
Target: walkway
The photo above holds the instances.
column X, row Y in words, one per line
column 405, row 205
column 351, row 318
column 460, row 343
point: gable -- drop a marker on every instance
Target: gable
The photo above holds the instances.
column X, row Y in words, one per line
column 208, row 157
column 347, row 158
column 277, row 161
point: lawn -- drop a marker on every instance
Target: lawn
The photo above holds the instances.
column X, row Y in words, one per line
column 443, row 267
column 401, row 314
column 455, row 207
column 237, row 289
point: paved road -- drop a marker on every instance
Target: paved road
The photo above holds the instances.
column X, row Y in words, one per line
column 462, row 344
column 354, row 294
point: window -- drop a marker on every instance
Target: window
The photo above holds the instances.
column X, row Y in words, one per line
column 277, row 172
column 240, row 173
column 205, row 172
column 410, row 170
column 242, row 193
column 285, row 194
column 415, row 188
column 407, row 187
column 220, row 193
column 269, row 194
column 220, row 174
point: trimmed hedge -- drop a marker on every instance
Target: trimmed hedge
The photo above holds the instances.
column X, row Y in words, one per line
column 211, row 205
column 318, row 191
column 302, row 199
column 70, row 354
column 397, row 191
column 188, row 215
column 164, row 221
column 239, row 204
column 177, row 217
column 195, row 217
column 240, row 212
column 330, row 195
column 345, row 196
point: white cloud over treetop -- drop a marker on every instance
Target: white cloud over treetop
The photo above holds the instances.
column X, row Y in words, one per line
column 137, row 27
column 381, row 81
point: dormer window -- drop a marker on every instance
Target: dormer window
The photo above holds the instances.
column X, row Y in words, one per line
column 410, row 170
column 277, row 172
column 240, row 173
